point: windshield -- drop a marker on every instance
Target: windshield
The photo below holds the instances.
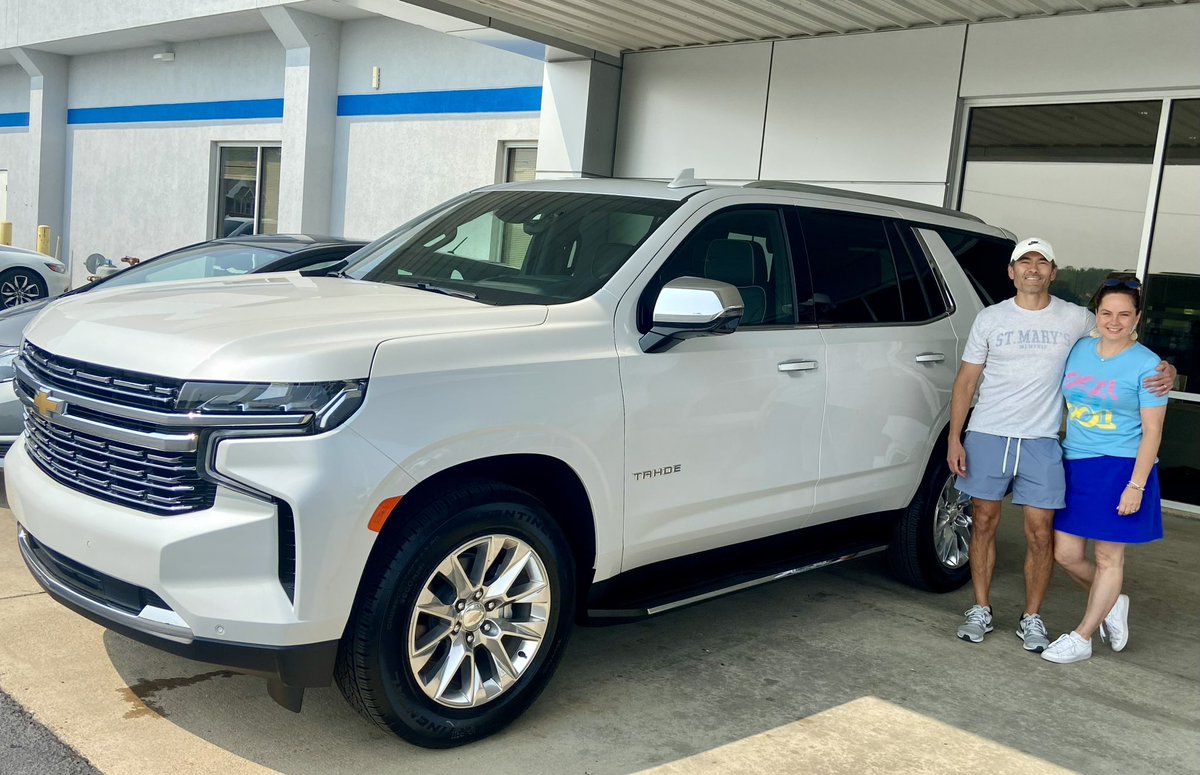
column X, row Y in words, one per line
column 516, row 247
column 212, row 259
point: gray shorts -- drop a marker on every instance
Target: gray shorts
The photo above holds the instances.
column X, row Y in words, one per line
column 1033, row 468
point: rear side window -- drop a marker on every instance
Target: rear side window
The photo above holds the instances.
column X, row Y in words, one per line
column 854, row 274
column 983, row 261
column 919, row 288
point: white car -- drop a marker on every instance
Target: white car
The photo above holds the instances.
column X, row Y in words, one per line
column 539, row 402
column 26, row 275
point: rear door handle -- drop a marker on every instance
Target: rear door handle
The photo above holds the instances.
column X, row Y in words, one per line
column 931, row 357
column 797, row 365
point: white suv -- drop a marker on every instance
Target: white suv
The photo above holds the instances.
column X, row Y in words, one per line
column 535, row 404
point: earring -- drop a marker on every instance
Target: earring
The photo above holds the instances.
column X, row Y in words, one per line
column 1094, row 333
column 1133, row 336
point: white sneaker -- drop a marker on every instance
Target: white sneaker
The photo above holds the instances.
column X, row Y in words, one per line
column 1115, row 627
column 1068, row 648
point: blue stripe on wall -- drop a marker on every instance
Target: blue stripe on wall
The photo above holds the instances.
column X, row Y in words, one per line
column 521, row 99
column 14, row 119
column 180, row 111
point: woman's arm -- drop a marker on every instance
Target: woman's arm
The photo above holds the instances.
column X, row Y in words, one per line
column 1152, row 426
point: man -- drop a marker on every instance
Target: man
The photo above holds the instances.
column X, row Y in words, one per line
column 1019, row 348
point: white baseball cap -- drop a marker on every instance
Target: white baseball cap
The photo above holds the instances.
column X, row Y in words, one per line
column 1032, row 245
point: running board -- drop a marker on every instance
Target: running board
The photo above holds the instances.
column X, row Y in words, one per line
column 642, row 612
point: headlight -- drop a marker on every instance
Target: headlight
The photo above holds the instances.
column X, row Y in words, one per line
column 330, row 403
column 7, row 353
column 56, row 268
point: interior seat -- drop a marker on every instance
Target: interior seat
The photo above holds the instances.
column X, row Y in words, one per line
column 741, row 263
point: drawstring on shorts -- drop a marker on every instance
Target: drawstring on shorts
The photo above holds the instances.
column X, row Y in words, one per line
column 1016, row 461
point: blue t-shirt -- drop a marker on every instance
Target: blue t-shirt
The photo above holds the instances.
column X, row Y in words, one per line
column 1104, row 400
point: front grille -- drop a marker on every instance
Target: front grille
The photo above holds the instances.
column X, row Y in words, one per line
column 92, row 583
column 145, row 479
column 128, row 388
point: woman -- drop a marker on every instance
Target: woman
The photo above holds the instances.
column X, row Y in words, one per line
column 1114, row 426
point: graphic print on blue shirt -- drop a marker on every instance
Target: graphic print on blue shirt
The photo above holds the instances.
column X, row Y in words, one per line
column 1105, row 399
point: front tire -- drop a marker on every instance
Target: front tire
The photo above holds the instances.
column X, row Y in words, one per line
column 21, row 286
column 459, row 626
column 931, row 540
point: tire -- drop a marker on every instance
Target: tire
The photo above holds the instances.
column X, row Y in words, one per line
column 931, row 540
column 396, row 664
column 21, row 286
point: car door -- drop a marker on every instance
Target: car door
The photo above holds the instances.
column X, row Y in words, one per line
column 722, row 432
column 890, row 363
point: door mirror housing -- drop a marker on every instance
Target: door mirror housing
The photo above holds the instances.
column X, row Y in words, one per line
column 687, row 307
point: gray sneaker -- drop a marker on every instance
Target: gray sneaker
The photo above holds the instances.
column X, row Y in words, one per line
column 978, row 623
column 1032, row 631
column 1115, row 627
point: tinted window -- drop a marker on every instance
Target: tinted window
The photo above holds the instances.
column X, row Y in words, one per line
column 517, row 247
column 194, row 263
column 744, row 247
column 919, row 289
column 985, row 262
column 853, row 271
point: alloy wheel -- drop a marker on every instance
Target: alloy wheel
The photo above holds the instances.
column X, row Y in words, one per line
column 19, row 288
column 479, row 620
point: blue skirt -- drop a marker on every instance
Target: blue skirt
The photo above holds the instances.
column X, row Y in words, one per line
column 1094, row 488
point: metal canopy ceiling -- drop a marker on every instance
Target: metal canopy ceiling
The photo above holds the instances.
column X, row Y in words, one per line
column 617, row 26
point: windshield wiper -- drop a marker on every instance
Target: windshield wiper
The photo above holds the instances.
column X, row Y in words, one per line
column 422, row 286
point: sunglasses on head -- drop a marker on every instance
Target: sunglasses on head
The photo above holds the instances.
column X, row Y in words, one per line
column 1123, row 282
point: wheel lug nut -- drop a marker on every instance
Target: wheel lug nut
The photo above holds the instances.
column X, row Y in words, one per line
column 479, row 594
column 470, row 638
column 460, row 605
column 491, row 605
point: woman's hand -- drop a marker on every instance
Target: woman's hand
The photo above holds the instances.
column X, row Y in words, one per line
column 1131, row 501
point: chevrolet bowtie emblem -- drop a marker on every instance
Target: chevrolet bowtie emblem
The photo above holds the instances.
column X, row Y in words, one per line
column 46, row 405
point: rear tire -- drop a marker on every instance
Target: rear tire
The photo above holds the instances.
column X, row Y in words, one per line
column 931, row 540
column 460, row 624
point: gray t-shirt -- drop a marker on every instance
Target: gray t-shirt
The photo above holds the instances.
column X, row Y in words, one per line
column 1023, row 353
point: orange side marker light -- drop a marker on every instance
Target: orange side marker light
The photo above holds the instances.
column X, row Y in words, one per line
column 382, row 512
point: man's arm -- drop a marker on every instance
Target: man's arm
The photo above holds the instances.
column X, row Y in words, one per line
column 965, row 383
column 1161, row 382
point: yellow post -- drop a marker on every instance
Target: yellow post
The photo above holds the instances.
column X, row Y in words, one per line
column 5, row 233
column 43, row 240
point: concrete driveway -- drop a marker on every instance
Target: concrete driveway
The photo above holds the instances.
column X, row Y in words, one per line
column 837, row 671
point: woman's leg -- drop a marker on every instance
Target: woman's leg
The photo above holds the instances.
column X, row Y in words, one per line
column 1069, row 552
column 1106, row 585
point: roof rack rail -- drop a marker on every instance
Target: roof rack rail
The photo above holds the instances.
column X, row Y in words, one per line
column 808, row 188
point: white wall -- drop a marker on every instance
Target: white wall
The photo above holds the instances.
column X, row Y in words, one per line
column 699, row 108
column 143, row 188
column 240, row 67
column 14, row 90
column 412, row 58
column 146, row 202
column 389, row 168
column 865, row 111
column 1153, row 48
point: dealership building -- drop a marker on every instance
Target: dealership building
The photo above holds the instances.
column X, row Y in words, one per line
column 137, row 126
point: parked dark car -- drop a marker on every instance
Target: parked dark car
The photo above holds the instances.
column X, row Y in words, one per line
column 228, row 257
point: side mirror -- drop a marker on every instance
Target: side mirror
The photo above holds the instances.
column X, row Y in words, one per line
column 687, row 307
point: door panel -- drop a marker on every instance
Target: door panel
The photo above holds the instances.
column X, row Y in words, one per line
column 723, row 432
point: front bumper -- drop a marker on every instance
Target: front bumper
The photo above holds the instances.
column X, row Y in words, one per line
column 210, row 584
column 308, row 665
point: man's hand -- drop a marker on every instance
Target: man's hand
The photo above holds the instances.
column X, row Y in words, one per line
column 1162, row 382
column 956, row 457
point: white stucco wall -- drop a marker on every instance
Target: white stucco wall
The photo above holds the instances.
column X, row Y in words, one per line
column 14, row 89
column 388, row 168
column 240, row 67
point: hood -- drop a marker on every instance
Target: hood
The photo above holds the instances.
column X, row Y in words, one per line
column 261, row 328
column 14, row 319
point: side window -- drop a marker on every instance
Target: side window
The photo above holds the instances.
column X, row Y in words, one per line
column 853, row 271
column 744, row 247
column 983, row 260
column 919, row 289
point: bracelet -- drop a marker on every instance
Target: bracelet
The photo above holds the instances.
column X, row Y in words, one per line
column 1136, row 486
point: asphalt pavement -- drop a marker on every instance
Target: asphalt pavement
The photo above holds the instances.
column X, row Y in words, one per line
column 28, row 748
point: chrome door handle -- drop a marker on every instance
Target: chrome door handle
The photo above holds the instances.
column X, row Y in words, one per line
column 797, row 365
column 931, row 357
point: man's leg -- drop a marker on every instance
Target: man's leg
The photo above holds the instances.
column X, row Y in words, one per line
column 985, row 518
column 1039, row 556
